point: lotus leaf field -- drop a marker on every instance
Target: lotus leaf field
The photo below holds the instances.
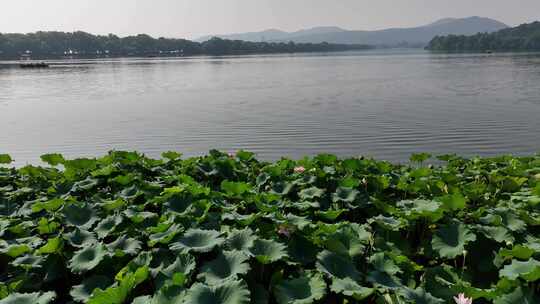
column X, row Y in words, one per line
column 229, row 229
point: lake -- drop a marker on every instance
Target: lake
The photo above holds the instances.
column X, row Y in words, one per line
column 385, row 104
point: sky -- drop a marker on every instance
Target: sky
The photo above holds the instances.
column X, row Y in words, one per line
column 195, row 18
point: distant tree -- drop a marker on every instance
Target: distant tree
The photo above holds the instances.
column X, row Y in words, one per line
column 525, row 37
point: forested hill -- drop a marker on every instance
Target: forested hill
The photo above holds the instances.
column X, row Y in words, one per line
column 525, row 37
column 58, row 44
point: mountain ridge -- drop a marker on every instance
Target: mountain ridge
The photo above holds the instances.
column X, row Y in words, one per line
column 413, row 36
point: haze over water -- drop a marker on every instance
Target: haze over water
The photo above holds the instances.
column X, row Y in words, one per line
column 385, row 104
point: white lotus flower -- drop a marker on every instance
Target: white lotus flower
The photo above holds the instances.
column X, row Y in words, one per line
column 462, row 299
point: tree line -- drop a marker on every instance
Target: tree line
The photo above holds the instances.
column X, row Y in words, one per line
column 525, row 37
column 58, row 44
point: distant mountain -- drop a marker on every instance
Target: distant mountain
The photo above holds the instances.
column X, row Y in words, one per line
column 275, row 35
column 416, row 36
column 525, row 37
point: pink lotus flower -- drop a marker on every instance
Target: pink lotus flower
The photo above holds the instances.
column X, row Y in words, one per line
column 299, row 169
column 461, row 299
column 231, row 155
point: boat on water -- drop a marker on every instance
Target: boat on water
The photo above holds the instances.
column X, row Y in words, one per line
column 33, row 65
column 27, row 63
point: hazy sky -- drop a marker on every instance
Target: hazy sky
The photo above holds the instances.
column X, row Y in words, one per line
column 193, row 18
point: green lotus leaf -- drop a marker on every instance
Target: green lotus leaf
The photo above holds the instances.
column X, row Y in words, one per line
column 118, row 293
column 240, row 240
column 384, row 280
column 28, row 261
column 383, row 264
column 420, row 296
column 344, row 195
column 519, row 295
column 302, row 290
column 311, row 193
column 235, row 189
column 30, row 298
column 166, row 236
column 389, row 223
column 53, row 245
column 453, row 202
column 512, row 221
column 420, row 157
column 49, row 206
column 85, row 185
column 5, row 159
column 171, row 155
column 305, row 179
column 198, row 240
column 415, row 209
column 337, row 266
column 87, row 258
column 107, row 226
column 80, row 238
column 166, row 295
column 232, row 292
column 498, row 234
column 112, row 205
column 227, row 266
column 15, row 250
column 281, row 188
column 330, row 215
column 53, row 159
column 124, row 245
column 80, row 215
column 349, row 240
column 518, row 251
column 301, row 250
column 529, row 270
column 83, row 292
column 350, row 288
column 178, row 272
column 178, row 203
column 450, row 241
column 268, row 251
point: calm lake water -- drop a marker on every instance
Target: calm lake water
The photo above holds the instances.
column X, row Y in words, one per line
column 385, row 104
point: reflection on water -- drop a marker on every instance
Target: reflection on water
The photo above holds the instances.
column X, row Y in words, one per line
column 386, row 104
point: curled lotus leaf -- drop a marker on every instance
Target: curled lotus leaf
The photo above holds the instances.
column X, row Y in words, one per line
column 198, row 240
column 83, row 292
column 302, row 290
column 80, row 238
column 529, row 270
column 268, row 251
column 124, row 245
column 337, row 266
column 232, row 292
column 344, row 194
column 240, row 240
column 107, row 226
column 519, row 295
column 450, row 241
column 421, row 296
column 87, row 258
column 227, row 266
column 311, row 193
column 80, row 215
column 350, row 288
column 30, row 298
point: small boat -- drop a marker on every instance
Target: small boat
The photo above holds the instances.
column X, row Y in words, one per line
column 33, row 65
